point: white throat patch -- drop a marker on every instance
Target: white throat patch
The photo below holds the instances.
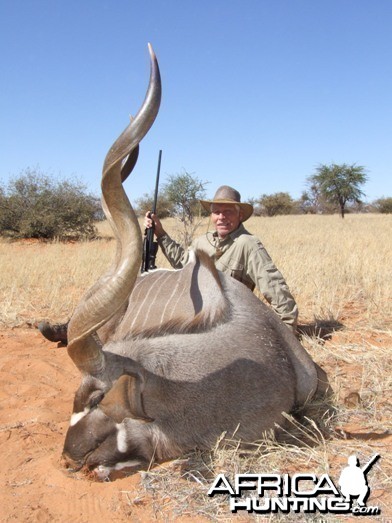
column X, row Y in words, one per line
column 77, row 416
column 121, row 438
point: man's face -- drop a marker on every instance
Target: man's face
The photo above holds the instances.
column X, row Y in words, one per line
column 226, row 217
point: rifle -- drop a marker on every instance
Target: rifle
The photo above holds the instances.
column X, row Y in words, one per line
column 150, row 247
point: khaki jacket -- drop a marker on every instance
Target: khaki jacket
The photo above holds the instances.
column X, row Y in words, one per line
column 242, row 256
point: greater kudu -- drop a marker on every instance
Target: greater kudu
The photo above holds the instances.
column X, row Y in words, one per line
column 172, row 359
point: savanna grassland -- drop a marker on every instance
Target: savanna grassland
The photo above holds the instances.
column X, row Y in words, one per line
column 330, row 265
column 340, row 274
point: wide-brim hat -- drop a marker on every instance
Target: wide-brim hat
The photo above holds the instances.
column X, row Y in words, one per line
column 226, row 194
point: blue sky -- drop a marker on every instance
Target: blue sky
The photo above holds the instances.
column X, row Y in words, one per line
column 256, row 93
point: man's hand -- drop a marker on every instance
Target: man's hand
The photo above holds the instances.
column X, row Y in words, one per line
column 152, row 219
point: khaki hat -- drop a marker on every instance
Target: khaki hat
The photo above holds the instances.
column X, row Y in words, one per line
column 226, row 194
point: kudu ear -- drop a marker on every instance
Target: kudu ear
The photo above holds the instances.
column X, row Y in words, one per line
column 125, row 399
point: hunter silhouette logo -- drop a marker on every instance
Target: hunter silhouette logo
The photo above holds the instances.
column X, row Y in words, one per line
column 300, row 492
column 353, row 482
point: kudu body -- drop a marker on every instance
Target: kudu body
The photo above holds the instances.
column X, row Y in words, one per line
column 172, row 359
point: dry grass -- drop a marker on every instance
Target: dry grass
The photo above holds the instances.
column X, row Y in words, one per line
column 340, row 273
column 330, row 264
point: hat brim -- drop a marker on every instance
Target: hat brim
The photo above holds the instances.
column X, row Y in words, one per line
column 246, row 208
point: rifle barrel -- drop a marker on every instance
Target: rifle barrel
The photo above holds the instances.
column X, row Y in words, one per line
column 154, row 209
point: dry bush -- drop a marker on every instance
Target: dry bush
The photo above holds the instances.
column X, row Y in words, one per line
column 36, row 205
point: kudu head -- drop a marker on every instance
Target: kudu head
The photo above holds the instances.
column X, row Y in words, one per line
column 110, row 389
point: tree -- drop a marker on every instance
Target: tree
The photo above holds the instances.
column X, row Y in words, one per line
column 184, row 192
column 313, row 202
column 277, row 203
column 35, row 206
column 339, row 184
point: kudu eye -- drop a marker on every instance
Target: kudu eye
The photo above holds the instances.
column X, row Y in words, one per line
column 95, row 398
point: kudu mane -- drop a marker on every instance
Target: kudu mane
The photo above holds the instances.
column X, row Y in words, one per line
column 175, row 302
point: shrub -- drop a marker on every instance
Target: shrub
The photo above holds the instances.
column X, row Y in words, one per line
column 35, row 206
column 146, row 203
column 384, row 205
column 278, row 203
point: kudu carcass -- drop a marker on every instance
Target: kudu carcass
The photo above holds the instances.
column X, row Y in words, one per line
column 170, row 360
